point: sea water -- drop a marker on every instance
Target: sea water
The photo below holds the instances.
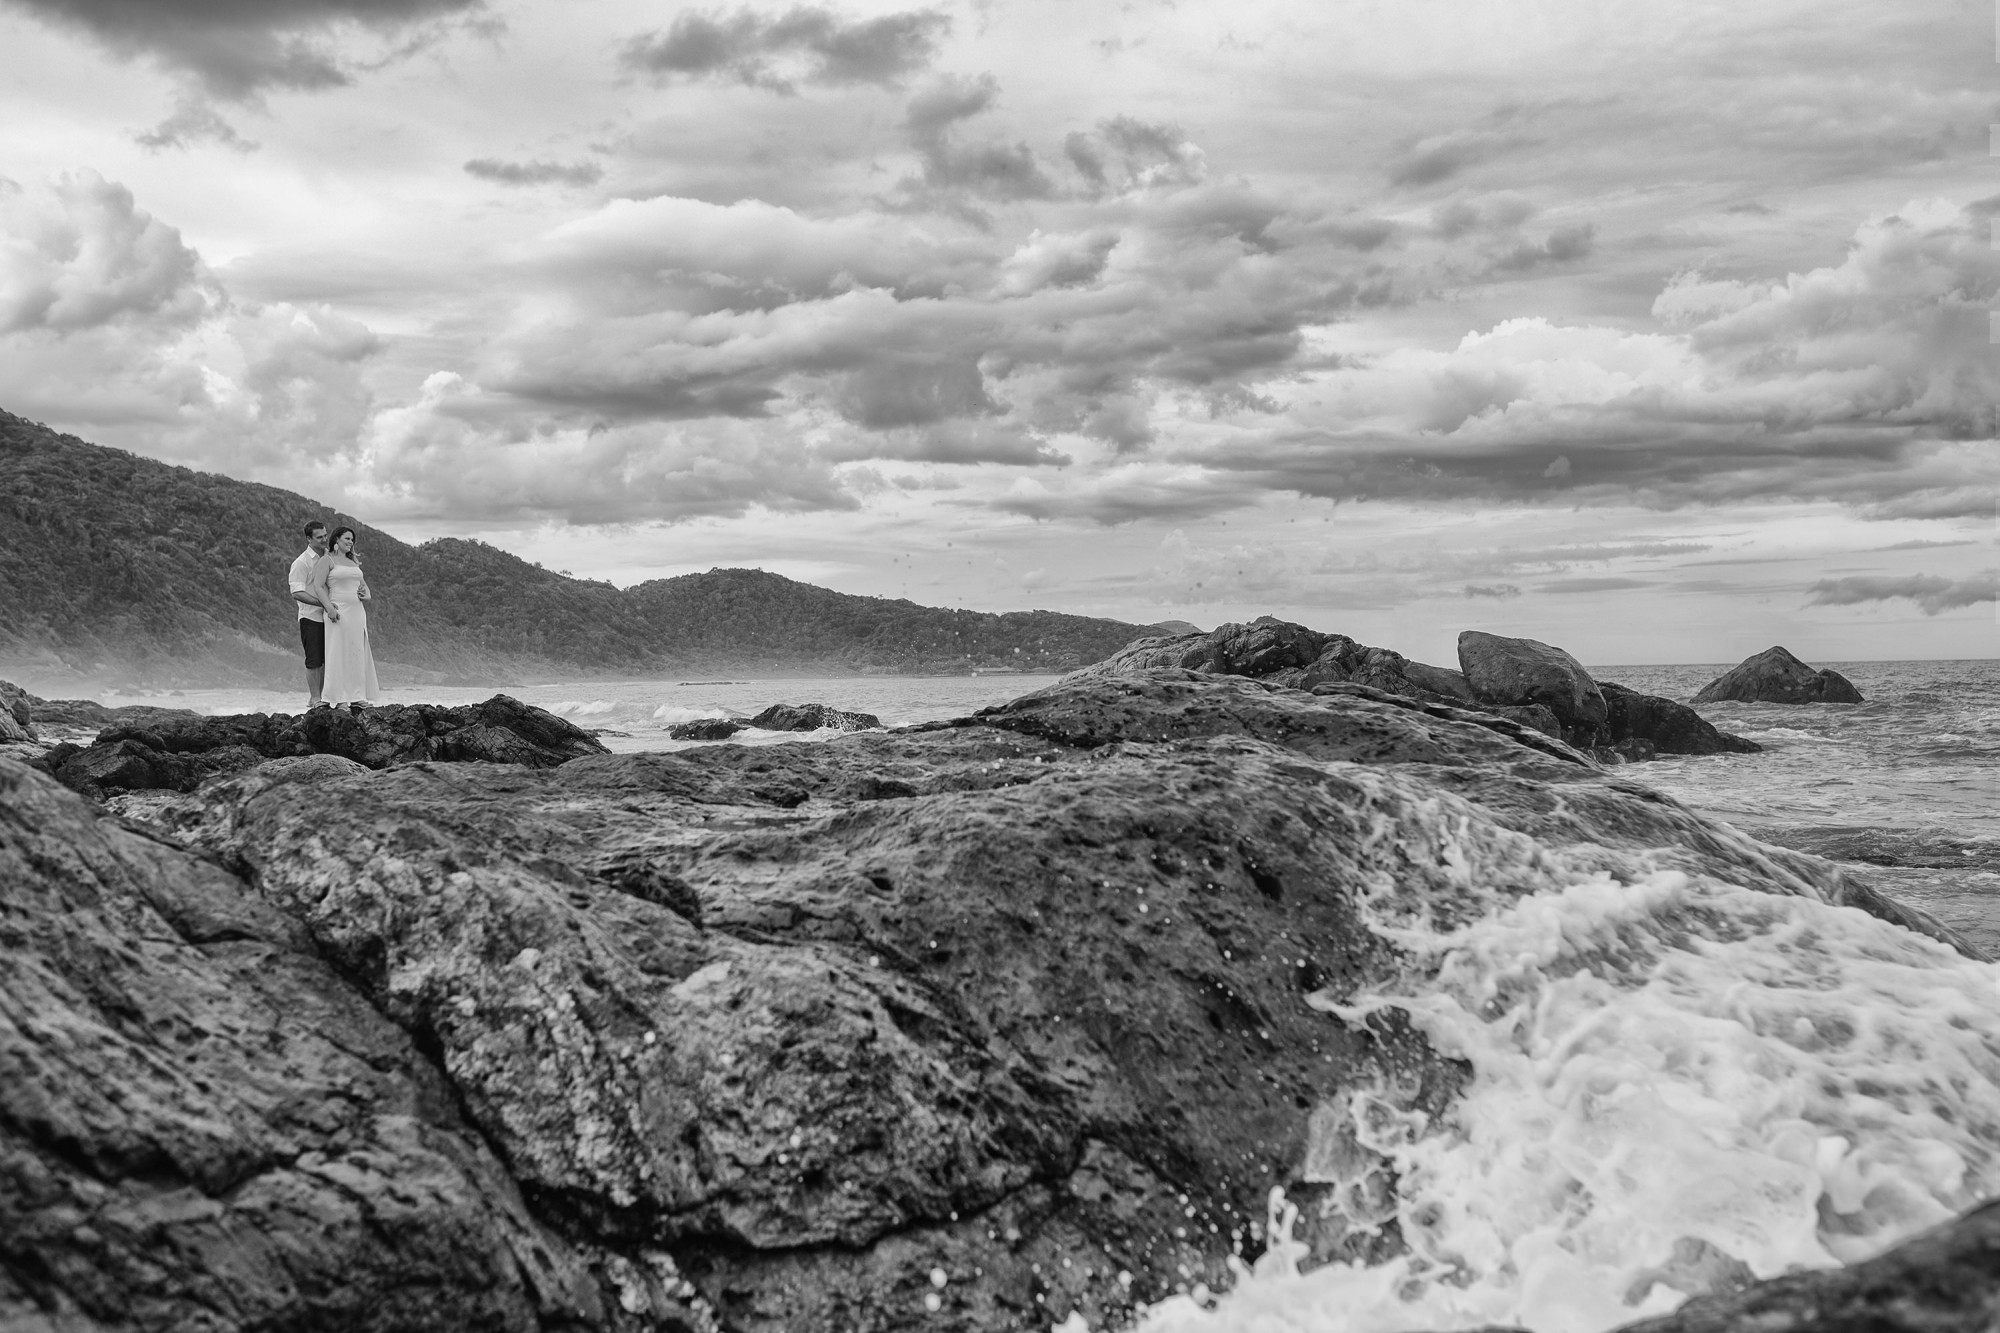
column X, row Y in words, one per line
column 1678, row 1084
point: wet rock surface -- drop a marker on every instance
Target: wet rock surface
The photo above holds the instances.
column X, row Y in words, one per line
column 1774, row 676
column 1040, row 1000
column 705, row 729
column 179, row 752
column 812, row 717
column 1527, row 671
column 1531, row 683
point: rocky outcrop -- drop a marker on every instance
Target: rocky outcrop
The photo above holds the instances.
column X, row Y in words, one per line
column 1527, row 671
column 1669, row 727
column 202, row 1125
column 1528, row 682
column 811, row 717
column 17, row 713
column 967, row 1027
column 1774, row 676
column 1286, row 654
column 705, row 729
column 179, row 752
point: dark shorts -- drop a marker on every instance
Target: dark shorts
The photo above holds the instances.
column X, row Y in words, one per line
column 312, row 633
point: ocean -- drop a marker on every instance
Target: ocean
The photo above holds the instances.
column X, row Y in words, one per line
column 1676, row 1083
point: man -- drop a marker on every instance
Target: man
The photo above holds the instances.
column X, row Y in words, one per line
column 312, row 615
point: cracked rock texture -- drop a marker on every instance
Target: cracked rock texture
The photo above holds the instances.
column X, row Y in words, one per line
column 761, row 1039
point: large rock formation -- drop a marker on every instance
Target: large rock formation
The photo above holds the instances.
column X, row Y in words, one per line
column 1774, row 676
column 968, row 1027
column 1282, row 653
column 178, row 752
column 1529, row 682
column 1527, row 671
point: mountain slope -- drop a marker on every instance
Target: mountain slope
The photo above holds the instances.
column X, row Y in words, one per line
column 119, row 566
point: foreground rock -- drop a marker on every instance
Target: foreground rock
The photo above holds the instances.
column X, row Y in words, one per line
column 203, row 1126
column 812, row 717
column 1944, row 1281
column 178, row 753
column 1043, row 1001
column 1774, row 676
column 1529, row 682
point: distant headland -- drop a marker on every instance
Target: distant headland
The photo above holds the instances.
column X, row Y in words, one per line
column 116, row 570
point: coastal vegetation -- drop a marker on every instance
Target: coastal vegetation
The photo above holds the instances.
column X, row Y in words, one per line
column 117, row 565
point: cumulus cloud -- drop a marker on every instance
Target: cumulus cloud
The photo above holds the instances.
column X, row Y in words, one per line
column 1931, row 593
column 1124, row 153
column 1495, row 590
column 1869, row 382
column 987, row 168
column 536, row 172
column 446, row 455
column 83, row 254
column 236, row 49
column 807, row 44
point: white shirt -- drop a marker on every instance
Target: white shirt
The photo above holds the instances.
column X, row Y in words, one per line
column 302, row 569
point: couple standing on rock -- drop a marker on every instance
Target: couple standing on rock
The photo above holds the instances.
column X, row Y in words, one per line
column 331, row 593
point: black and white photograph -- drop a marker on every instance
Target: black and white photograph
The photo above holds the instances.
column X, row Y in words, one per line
column 1123, row 666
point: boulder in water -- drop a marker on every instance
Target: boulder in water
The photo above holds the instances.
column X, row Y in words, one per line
column 812, row 717
column 705, row 729
column 1669, row 727
column 1774, row 676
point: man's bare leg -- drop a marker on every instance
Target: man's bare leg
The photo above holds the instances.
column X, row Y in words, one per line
column 316, row 684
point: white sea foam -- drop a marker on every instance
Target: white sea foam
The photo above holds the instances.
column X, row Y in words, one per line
column 668, row 715
column 580, row 708
column 1674, row 1080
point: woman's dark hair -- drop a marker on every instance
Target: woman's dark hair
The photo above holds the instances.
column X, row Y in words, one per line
column 333, row 538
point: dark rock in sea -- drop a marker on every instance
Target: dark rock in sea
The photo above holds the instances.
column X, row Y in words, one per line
column 1045, row 1000
column 705, row 729
column 179, row 752
column 1774, row 676
column 1527, row 671
column 1669, row 727
column 812, row 717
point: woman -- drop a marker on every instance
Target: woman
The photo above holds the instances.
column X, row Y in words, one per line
column 350, row 663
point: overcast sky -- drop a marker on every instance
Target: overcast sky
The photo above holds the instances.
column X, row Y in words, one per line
column 1658, row 331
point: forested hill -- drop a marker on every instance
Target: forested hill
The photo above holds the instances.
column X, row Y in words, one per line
column 112, row 565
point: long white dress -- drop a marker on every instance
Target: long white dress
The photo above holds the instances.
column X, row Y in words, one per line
column 350, row 664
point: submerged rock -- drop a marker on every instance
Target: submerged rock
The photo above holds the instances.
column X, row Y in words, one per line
column 1043, row 1001
column 812, row 717
column 1774, row 676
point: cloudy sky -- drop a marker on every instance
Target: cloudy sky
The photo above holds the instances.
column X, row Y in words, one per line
column 1661, row 332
